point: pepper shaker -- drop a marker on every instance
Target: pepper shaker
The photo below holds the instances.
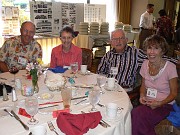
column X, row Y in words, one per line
column 5, row 96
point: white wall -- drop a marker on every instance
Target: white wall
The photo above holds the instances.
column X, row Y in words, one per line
column 139, row 7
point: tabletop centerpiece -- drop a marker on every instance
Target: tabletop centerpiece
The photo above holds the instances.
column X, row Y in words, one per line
column 35, row 69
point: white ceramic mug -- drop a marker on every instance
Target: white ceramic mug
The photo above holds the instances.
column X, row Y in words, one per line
column 39, row 130
column 83, row 69
column 111, row 82
column 111, row 110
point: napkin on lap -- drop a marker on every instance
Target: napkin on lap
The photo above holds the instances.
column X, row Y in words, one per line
column 58, row 69
column 77, row 124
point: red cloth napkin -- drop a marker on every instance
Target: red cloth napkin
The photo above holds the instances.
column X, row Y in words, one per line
column 23, row 113
column 77, row 124
column 57, row 112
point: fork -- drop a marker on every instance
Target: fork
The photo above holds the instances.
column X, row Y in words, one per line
column 51, row 127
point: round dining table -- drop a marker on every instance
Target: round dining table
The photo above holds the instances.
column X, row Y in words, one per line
column 121, row 125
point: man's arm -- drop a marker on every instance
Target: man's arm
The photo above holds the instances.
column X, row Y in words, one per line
column 102, row 67
column 3, row 67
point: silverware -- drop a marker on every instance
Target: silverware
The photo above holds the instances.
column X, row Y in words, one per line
column 80, row 101
column 79, row 97
column 8, row 112
column 48, row 106
column 101, row 122
column 101, row 105
column 51, row 127
column 17, row 118
column 106, row 123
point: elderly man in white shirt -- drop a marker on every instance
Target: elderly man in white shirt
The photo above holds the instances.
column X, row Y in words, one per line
column 146, row 24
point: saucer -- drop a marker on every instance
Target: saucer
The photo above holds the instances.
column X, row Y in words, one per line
column 115, row 119
column 115, row 88
column 45, row 96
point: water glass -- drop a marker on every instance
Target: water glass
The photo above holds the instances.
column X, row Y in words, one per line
column 94, row 96
column 74, row 68
column 31, row 105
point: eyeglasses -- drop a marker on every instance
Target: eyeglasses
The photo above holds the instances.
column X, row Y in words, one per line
column 31, row 33
column 118, row 39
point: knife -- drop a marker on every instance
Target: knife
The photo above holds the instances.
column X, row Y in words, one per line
column 17, row 118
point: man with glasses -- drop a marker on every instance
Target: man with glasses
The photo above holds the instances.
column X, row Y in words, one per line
column 122, row 61
column 19, row 50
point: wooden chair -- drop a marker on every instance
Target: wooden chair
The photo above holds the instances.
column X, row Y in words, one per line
column 87, row 57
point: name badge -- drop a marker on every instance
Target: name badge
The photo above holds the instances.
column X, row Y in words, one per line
column 22, row 61
column 114, row 70
column 151, row 93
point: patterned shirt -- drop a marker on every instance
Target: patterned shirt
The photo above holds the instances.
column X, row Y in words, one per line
column 165, row 27
column 13, row 50
column 60, row 58
column 128, row 64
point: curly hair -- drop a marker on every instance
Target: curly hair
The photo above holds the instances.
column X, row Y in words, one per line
column 157, row 41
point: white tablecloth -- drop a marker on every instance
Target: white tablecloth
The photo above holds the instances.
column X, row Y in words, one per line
column 122, row 125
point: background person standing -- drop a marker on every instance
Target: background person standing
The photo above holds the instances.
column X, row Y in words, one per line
column 146, row 24
column 164, row 26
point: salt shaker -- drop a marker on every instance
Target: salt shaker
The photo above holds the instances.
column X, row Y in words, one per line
column 14, row 96
column 5, row 96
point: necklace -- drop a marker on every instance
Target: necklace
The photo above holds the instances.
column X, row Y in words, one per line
column 155, row 68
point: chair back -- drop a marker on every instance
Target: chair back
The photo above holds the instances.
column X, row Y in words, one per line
column 87, row 57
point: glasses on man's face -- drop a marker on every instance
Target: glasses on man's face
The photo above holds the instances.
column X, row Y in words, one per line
column 117, row 39
column 31, row 33
column 66, row 38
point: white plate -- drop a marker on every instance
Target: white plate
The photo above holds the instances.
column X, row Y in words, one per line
column 45, row 96
column 117, row 118
column 3, row 113
column 115, row 88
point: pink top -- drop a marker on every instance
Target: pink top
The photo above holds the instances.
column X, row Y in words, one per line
column 60, row 58
column 160, row 82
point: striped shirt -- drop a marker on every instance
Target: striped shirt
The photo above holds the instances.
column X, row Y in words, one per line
column 128, row 64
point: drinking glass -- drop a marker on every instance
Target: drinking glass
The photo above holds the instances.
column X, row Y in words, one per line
column 31, row 105
column 14, row 70
column 74, row 68
column 101, row 81
column 94, row 96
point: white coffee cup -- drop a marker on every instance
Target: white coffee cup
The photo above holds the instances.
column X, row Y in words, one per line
column 18, row 84
column 111, row 82
column 83, row 69
column 39, row 130
column 111, row 110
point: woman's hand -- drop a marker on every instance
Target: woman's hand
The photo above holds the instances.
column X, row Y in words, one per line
column 153, row 104
column 142, row 100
